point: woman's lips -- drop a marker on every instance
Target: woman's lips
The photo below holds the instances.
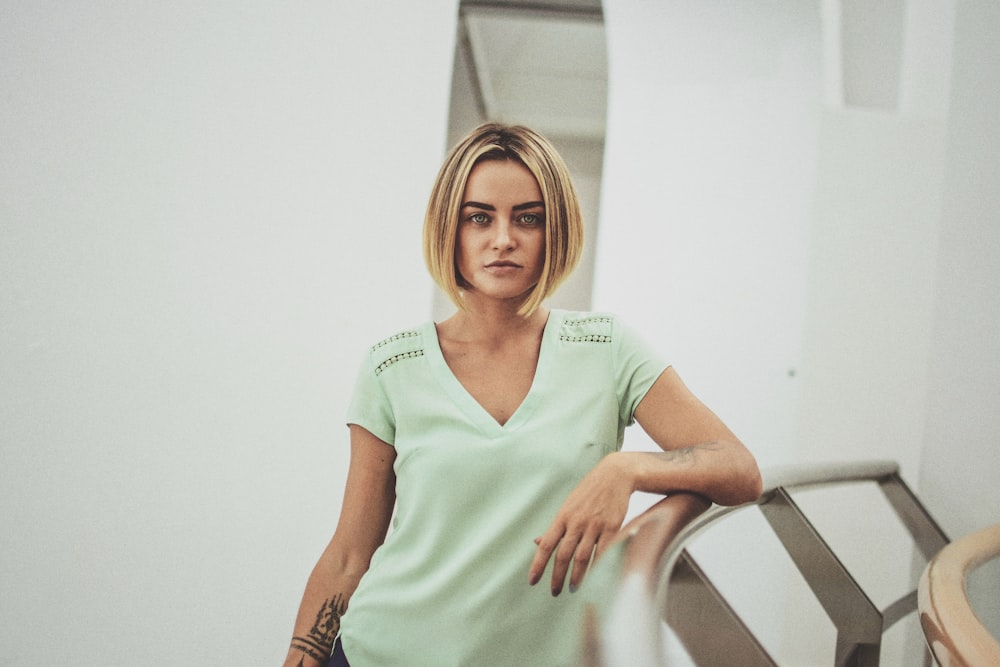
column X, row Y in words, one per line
column 502, row 268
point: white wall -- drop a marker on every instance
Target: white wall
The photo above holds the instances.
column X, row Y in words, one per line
column 710, row 166
column 961, row 445
column 206, row 213
column 871, row 287
column 782, row 195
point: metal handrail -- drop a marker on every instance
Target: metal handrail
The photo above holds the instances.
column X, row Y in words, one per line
column 655, row 555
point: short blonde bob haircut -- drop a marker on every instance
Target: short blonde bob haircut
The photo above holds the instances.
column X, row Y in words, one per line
column 563, row 219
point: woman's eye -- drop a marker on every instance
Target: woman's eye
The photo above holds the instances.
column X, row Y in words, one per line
column 530, row 219
column 479, row 218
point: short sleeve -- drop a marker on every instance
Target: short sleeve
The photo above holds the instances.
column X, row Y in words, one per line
column 637, row 366
column 370, row 407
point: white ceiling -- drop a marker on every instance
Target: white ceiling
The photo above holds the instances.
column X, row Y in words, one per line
column 540, row 64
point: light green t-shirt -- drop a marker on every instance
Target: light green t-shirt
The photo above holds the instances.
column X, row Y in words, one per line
column 450, row 584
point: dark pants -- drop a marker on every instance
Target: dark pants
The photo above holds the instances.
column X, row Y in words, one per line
column 338, row 659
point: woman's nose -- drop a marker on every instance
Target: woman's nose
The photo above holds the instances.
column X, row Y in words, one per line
column 502, row 237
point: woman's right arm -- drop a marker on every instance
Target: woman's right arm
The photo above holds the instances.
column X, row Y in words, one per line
column 364, row 519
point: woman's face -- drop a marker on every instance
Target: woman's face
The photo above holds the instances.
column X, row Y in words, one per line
column 501, row 231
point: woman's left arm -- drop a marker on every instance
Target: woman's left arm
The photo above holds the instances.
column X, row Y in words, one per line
column 700, row 455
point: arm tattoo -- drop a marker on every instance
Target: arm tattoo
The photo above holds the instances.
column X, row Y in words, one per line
column 302, row 647
column 687, row 455
column 327, row 624
column 318, row 644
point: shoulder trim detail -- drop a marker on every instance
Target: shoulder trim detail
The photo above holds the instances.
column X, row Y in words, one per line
column 392, row 339
column 587, row 328
column 603, row 319
column 412, row 354
column 406, row 344
column 590, row 338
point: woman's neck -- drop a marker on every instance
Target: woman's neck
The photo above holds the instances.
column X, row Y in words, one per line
column 493, row 322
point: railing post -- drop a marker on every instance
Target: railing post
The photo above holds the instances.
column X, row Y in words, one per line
column 928, row 536
column 706, row 624
column 858, row 621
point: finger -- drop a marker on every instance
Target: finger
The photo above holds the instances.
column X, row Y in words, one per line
column 546, row 545
column 581, row 561
column 562, row 559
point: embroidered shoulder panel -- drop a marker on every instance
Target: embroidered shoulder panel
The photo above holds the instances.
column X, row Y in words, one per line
column 402, row 346
column 412, row 354
column 594, row 328
column 392, row 339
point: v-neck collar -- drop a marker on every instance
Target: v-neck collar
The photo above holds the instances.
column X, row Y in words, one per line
column 476, row 413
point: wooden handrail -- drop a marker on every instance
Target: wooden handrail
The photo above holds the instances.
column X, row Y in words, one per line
column 954, row 633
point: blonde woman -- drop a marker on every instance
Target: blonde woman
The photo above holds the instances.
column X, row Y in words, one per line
column 496, row 435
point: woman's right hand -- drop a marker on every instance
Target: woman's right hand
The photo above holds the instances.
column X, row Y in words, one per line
column 585, row 525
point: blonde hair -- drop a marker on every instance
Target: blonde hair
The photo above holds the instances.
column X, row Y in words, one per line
column 563, row 219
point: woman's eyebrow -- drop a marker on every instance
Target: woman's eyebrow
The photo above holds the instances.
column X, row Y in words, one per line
column 490, row 207
column 475, row 204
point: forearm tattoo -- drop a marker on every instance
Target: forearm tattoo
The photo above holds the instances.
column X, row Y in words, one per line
column 687, row 455
column 318, row 643
column 298, row 645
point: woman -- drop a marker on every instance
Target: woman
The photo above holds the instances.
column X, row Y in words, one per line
column 496, row 435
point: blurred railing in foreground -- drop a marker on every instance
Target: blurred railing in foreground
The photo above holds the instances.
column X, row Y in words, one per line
column 953, row 631
column 660, row 579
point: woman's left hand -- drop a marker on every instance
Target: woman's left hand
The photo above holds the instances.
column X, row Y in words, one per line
column 585, row 525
